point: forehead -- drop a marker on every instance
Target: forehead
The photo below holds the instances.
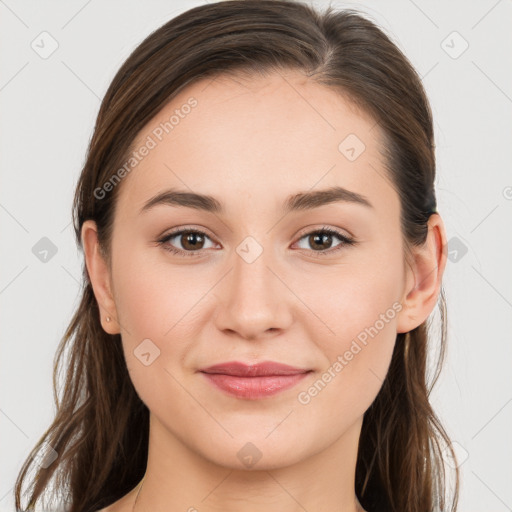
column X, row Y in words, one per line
column 258, row 136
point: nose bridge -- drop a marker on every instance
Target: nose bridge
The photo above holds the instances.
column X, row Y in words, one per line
column 251, row 264
column 254, row 298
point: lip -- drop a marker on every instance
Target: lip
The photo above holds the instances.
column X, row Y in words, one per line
column 254, row 381
column 265, row 368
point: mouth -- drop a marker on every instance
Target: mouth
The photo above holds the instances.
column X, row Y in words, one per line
column 256, row 381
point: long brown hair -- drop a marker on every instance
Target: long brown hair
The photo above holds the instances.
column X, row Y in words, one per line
column 100, row 431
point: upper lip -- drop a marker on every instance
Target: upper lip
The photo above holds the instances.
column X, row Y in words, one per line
column 264, row 368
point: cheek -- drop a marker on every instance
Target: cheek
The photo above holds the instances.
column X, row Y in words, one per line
column 158, row 303
column 352, row 297
column 359, row 333
column 150, row 298
column 152, row 310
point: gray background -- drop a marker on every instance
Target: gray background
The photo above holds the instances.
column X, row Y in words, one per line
column 48, row 111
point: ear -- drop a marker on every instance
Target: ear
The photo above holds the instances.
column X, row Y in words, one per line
column 424, row 277
column 99, row 274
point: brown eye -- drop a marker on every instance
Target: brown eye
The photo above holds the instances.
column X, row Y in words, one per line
column 320, row 241
column 190, row 240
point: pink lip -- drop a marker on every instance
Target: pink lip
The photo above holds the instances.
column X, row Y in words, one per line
column 253, row 381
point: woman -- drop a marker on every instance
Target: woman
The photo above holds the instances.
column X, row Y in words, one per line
column 262, row 256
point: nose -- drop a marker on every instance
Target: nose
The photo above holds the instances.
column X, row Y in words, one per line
column 254, row 300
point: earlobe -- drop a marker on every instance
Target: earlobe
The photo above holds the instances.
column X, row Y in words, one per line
column 99, row 276
column 424, row 277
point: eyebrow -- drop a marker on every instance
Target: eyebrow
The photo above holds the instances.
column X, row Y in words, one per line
column 300, row 201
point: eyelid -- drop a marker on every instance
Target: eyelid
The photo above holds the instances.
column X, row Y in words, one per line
column 324, row 227
column 193, row 228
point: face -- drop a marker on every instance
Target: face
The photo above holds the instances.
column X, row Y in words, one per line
column 258, row 278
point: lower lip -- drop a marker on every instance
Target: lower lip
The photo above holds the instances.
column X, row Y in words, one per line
column 254, row 388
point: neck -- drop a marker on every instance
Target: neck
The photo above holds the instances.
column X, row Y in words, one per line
column 178, row 478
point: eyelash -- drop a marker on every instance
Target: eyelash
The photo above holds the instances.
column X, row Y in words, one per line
column 346, row 241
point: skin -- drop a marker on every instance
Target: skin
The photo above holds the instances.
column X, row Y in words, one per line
column 251, row 143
